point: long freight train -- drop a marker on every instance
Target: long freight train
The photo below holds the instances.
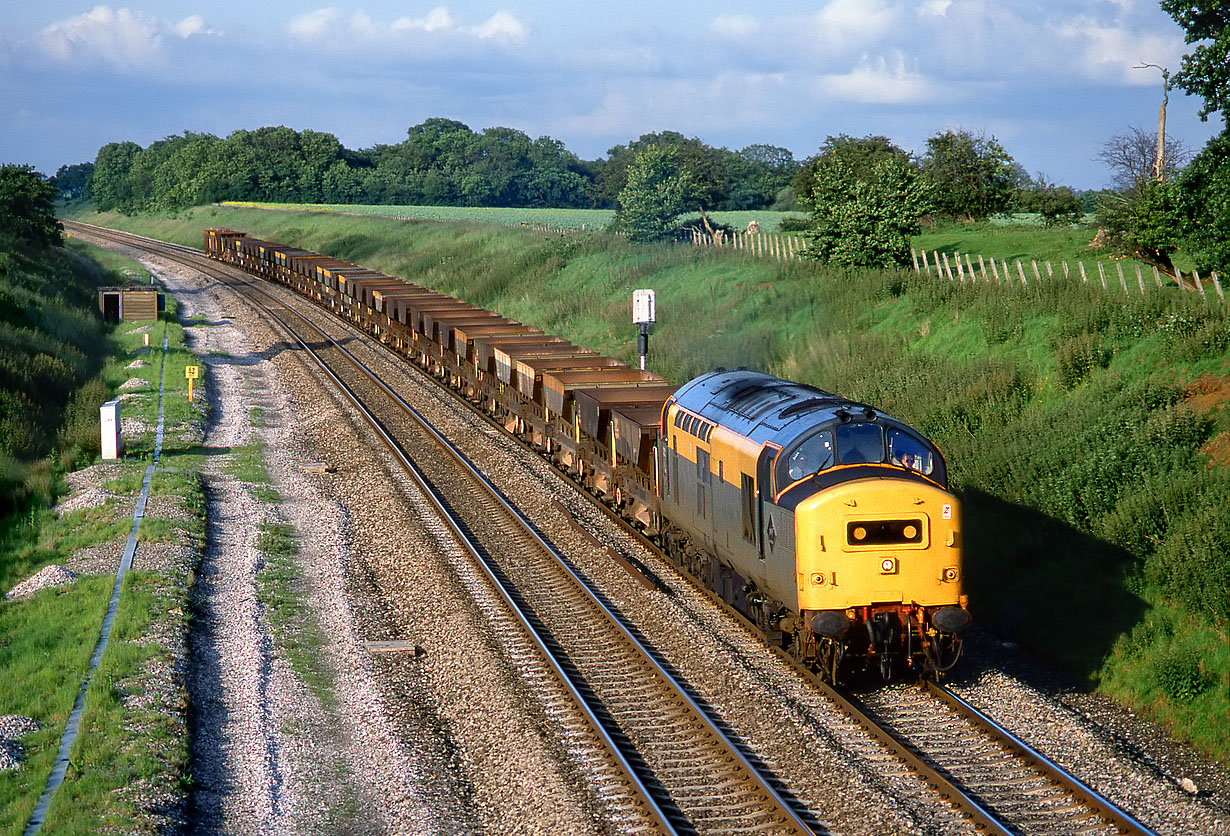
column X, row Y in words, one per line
column 825, row 521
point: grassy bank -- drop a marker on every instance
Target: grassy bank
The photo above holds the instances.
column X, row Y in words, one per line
column 131, row 755
column 1086, row 432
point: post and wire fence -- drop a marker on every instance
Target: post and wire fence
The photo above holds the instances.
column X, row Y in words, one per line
column 961, row 268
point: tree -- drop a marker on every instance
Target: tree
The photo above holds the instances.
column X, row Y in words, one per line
column 1204, row 205
column 1206, row 70
column 706, row 168
column 866, row 199
column 1132, row 158
column 27, row 207
column 73, row 181
column 1144, row 224
column 112, row 183
column 971, row 177
column 658, row 190
column 1058, row 205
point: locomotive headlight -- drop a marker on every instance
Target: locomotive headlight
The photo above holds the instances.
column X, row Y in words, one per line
column 888, row 566
column 909, row 532
column 951, row 574
column 859, row 533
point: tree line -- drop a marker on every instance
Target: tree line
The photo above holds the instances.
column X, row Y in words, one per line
column 442, row 162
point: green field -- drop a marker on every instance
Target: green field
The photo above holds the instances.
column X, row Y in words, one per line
column 1086, row 432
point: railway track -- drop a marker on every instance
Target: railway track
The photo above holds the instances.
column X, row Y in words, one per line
column 675, row 767
column 674, row 774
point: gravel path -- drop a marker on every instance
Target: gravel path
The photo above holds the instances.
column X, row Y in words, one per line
column 440, row 740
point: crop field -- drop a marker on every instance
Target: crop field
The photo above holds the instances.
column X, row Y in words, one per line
column 591, row 219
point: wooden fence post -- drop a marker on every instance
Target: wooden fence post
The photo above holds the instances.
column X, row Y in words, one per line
column 1007, row 275
column 1084, row 278
column 1140, row 279
column 1021, row 271
column 1122, row 281
column 1034, row 263
column 1217, row 286
column 1157, row 277
column 1199, row 284
column 914, row 255
column 1102, row 273
column 960, row 270
column 1050, row 274
column 947, row 268
column 982, row 265
column 1065, row 269
column 994, row 271
column 969, row 264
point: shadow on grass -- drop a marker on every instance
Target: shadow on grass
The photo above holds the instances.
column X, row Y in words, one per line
column 1037, row 581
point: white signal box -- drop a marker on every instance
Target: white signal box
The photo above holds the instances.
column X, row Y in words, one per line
column 643, row 309
column 112, row 443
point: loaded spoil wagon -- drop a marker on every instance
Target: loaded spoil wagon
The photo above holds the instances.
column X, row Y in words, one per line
column 596, row 417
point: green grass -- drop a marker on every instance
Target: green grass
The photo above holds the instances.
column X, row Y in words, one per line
column 46, row 641
column 1090, row 502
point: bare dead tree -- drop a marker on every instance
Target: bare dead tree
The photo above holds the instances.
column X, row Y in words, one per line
column 1132, row 158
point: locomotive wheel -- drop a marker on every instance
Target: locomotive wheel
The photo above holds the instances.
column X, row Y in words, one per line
column 828, row 659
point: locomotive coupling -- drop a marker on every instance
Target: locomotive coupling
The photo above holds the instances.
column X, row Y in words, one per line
column 951, row 619
column 830, row 624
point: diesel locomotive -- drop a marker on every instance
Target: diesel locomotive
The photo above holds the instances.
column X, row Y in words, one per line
column 825, row 522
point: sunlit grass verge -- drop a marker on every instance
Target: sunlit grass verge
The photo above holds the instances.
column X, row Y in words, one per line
column 45, row 647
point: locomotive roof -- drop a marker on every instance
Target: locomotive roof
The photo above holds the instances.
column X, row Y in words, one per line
column 765, row 408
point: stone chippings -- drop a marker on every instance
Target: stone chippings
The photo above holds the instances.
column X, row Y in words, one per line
column 449, row 739
column 13, row 727
column 44, row 578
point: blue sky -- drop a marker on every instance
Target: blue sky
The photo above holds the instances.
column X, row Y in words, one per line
column 1051, row 80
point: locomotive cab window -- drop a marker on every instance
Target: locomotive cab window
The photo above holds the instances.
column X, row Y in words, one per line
column 905, row 450
column 860, row 444
column 809, row 456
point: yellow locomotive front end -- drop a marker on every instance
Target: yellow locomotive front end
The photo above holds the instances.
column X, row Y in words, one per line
column 880, row 574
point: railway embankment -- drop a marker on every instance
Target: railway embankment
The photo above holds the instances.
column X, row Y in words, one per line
column 127, row 761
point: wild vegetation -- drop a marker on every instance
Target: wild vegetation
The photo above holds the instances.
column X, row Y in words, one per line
column 1086, row 433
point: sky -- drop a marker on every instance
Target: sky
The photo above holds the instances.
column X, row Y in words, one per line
column 1051, row 80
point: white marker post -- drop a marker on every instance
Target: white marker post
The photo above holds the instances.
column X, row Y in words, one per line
column 109, row 418
column 644, row 314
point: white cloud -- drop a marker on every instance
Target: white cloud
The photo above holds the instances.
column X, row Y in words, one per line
column 121, row 37
column 315, row 25
column 501, row 26
column 934, row 8
column 856, row 23
column 734, row 26
column 1113, row 51
column 192, row 25
column 879, row 82
column 331, row 24
column 437, row 19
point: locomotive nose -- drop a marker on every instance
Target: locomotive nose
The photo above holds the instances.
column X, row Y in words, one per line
column 951, row 620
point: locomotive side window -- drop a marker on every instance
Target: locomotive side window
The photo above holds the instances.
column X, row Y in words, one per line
column 860, row 443
column 907, row 451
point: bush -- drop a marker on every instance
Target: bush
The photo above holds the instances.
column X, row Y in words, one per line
column 1179, row 675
